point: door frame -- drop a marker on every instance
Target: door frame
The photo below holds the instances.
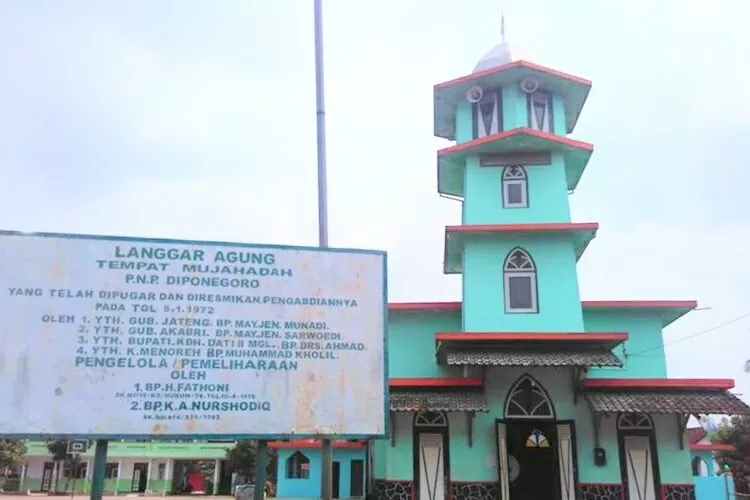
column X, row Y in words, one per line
column 444, row 431
column 545, row 421
column 653, row 448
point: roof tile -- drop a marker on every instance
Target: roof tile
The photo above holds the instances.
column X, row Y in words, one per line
column 414, row 400
column 660, row 401
column 528, row 358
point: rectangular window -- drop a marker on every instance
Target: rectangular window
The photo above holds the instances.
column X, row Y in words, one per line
column 515, row 194
column 111, row 471
column 487, row 114
column 161, row 471
column 77, row 470
column 540, row 111
column 520, row 292
column 357, row 478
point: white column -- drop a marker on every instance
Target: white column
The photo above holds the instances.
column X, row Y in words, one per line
column 119, row 475
column 167, row 475
column 23, row 477
column 217, row 476
column 89, row 474
column 148, row 476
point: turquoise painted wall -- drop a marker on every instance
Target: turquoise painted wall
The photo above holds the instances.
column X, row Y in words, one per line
column 479, row 463
column 310, row 487
column 414, row 336
column 714, row 486
column 547, row 194
column 557, row 284
column 645, row 350
column 515, row 113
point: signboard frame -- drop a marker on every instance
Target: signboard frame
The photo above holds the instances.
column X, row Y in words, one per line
column 218, row 436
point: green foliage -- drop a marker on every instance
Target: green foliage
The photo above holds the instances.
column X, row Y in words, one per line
column 241, row 459
column 12, row 452
column 735, row 431
column 58, row 448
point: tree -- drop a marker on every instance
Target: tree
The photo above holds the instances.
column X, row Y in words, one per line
column 59, row 450
column 12, row 452
column 241, row 459
column 735, row 431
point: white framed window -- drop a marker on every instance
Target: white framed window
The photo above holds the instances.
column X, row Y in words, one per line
column 486, row 114
column 520, row 283
column 528, row 399
column 540, row 111
column 515, row 187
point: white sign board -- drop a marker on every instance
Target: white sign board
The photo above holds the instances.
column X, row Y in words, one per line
column 119, row 337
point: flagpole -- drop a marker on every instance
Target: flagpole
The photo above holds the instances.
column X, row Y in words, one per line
column 326, row 475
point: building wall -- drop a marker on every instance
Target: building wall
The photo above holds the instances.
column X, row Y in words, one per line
column 411, row 333
column 547, row 194
column 557, row 286
column 642, row 354
column 310, row 487
column 479, row 462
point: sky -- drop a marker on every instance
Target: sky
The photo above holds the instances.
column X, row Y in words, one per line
column 196, row 120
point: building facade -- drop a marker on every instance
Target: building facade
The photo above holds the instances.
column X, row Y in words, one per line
column 522, row 390
column 133, row 467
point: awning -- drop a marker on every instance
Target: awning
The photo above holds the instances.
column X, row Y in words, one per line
column 414, row 400
column 666, row 401
column 528, row 349
column 530, row 358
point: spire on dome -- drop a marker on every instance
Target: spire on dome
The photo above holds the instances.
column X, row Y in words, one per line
column 502, row 53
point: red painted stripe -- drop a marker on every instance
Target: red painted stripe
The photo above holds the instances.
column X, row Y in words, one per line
column 658, row 383
column 515, row 64
column 475, row 143
column 712, row 447
column 635, row 304
column 313, row 443
column 587, row 304
column 554, row 336
column 436, row 382
column 550, row 226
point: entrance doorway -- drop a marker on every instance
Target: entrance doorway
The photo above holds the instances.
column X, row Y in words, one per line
column 639, row 464
column 140, row 477
column 535, row 452
column 357, row 478
column 47, row 472
column 336, row 478
column 431, row 469
column 532, row 460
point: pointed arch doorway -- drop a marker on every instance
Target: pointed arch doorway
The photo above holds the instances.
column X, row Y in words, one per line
column 431, row 462
column 536, row 452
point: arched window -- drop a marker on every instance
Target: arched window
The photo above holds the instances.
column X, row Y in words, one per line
column 515, row 187
column 634, row 422
column 297, row 466
column 487, row 113
column 528, row 399
column 519, row 278
column 430, row 419
column 699, row 467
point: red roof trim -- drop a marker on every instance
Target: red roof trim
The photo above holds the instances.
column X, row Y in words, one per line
column 587, row 304
column 658, row 383
column 506, row 67
column 712, row 447
column 436, row 382
column 314, row 443
column 572, row 337
column 550, row 226
column 659, row 304
column 464, row 146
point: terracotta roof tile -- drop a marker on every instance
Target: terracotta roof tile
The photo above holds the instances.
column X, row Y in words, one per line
column 532, row 358
column 433, row 400
column 666, row 401
column 695, row 434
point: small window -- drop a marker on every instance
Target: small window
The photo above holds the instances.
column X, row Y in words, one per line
column 298, row 466
column 161, row 471
column 76, row 470
column 515, row 187
column 520, row 283
column 699, row 467
column 111, row 471
column 486, row 115
column 540, row 111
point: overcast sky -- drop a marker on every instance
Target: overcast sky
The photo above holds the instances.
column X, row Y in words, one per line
column 195, row 119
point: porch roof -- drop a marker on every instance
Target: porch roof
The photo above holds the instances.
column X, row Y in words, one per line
column 528, row 349
column 413, row 400
column 667, row 398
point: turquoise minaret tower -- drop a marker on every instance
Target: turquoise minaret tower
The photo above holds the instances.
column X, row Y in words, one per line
column 513, row 168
